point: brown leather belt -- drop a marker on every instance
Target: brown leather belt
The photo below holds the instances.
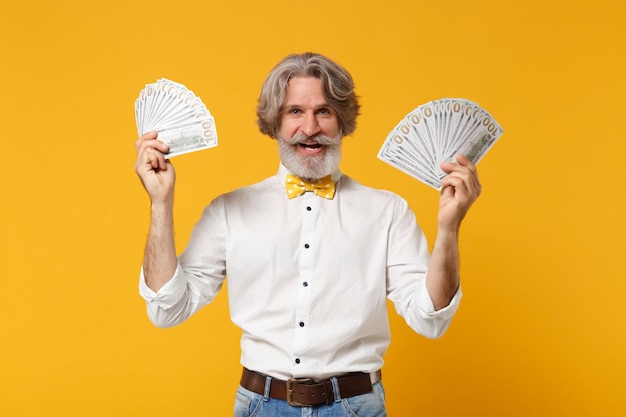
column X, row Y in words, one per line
column 307, row 392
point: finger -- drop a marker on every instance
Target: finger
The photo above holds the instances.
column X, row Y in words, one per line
column 447, row 191
column 150, row 140
column 467, row 163
column 149, row 135
column 459, row 160
column 455, row 181
column 145, row 136
column 463, row 160
column 462, row 166
column 150, row 160
column 464, row 180
column 158, row 161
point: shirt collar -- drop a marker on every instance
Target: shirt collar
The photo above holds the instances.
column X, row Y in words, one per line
column 283, row 171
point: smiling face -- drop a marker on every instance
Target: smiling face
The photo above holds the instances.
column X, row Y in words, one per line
column 309, row 137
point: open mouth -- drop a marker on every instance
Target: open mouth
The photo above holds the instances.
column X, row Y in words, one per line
column 310, row 146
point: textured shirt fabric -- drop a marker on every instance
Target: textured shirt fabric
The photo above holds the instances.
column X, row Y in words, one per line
column 308, row 278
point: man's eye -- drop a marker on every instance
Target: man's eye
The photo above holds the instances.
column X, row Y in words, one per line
column 323, row 111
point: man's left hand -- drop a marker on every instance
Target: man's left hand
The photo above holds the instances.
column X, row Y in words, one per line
column 460, row 188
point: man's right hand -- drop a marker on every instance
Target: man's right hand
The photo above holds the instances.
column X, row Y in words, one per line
column 156, row 173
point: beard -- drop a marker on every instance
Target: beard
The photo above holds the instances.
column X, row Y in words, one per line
column 310, row 167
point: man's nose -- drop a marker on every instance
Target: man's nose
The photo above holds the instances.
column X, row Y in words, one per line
column 310, row 126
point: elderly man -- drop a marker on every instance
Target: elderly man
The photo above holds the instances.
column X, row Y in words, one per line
column 311, row 255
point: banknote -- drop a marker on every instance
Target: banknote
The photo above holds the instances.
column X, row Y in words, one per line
column 179, row 117
column 435, row 132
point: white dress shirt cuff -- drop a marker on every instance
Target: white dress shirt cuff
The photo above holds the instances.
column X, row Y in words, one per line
column 169, row 294
column 428, row 311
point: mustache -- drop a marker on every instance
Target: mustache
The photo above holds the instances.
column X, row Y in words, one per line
column 319, row 139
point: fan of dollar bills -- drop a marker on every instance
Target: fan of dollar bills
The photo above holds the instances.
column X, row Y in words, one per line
column 436, row 132
column 178, row 115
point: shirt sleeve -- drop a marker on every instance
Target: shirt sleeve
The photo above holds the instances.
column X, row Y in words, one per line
column 407, row 264
column 199, row 275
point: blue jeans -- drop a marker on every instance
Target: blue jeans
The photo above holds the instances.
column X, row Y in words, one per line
column 251, row 404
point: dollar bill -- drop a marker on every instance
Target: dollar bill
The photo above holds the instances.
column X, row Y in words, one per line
column 435, row 132
column 179, row 117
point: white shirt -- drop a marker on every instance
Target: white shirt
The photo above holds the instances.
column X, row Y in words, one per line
column 308, row 277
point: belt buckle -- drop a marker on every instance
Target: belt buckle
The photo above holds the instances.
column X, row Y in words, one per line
column 290, row 382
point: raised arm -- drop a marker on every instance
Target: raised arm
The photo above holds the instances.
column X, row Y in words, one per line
column 158, row 178
column 461, row 188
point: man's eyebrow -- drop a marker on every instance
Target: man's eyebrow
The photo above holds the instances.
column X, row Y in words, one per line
column 298, row 106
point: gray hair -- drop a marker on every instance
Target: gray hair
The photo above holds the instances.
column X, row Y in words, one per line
column 337, row 85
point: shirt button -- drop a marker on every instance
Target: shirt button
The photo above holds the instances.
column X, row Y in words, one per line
column 306, row 284
column 297, row 360
column 308, row 209
column 306, row 245
column 301, row 324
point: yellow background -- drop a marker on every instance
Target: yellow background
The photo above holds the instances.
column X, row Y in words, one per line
column 541, row 328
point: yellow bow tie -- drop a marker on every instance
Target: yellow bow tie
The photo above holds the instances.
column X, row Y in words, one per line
column 324, row 187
